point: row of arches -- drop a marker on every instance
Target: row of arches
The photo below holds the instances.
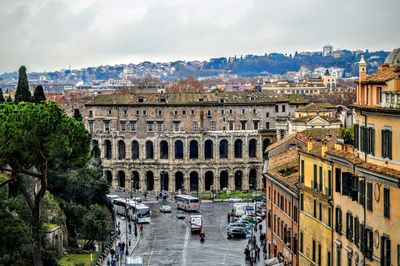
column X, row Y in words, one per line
column 179, row 149
column 209, row 180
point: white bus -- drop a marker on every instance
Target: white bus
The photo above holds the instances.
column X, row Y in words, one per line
column 142, row 213
column 120, row 206
column 187, row 202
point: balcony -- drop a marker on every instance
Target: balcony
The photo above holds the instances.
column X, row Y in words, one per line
column 391, row 99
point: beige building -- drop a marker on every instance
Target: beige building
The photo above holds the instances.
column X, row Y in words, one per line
column 185, row 142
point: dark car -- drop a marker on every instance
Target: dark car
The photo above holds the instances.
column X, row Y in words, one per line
column 237, row 232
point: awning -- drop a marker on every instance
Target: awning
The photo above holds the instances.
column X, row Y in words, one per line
column 270, row 262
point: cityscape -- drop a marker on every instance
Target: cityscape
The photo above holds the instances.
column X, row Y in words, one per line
column 199, row 133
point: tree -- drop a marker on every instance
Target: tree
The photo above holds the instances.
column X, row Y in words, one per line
column 94, row 225
column 33, row 139
column 9, row 100
column 22, row 94
column 38, row 95
column 2, row 100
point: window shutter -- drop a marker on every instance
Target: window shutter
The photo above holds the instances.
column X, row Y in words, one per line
column 356, row 138
column 383, row 143
column 372, row 141
column 389, row 144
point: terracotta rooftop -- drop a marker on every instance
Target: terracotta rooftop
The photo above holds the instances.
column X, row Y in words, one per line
column 305, row 119
column 384, row 75
column 188, row 98
column 289, row 179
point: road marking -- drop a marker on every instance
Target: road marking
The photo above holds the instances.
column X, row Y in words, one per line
column 152, row 250
column 185, row 244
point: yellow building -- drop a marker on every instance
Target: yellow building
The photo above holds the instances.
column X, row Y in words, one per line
column 315, row 199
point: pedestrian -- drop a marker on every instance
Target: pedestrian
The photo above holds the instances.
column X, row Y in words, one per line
column 260, row 227
column 119, row 233
column 141, row 229
column 257, row 252
column 247, row 252
column 130, row 228
column 229, row 218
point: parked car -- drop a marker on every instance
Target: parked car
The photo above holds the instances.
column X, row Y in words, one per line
column 247, row 226
column 180, row 214
column 235, row 199
column 248, row 218
column 165, row 208
column 237, row 232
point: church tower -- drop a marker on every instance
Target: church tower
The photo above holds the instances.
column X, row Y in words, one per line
column 362, row 69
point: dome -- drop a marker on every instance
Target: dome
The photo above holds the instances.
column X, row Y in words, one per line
column 393, row 57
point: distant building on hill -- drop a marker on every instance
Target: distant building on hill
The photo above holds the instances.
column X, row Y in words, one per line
column 327, row 50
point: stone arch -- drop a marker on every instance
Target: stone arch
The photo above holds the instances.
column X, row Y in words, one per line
column 108, row 149
column 163, row 149
column 253, row 179
column 121, row 178
column 253, row 148
column 149, row 181
column 194, row 181
column 224, row 180
column 135, row 150
column 238, row 148
column 96, row 152
column 238, row 180
column 121, row 150
column 208, row 180
column 149, row 149
column 223, row 149
column 108, row 177
column 193, row 149
column 208, row 149
column 178, row 180
column 266, row 143
column 164, row 180
column 178, row 149
column 135, row 180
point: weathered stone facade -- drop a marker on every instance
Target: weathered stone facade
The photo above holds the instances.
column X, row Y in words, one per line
column 187, row 142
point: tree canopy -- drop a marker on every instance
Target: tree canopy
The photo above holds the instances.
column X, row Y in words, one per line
column 22, row 94
column 38, row 94
column 2, row 100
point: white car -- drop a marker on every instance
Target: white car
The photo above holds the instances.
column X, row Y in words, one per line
column 165, row 208
column 235, row 199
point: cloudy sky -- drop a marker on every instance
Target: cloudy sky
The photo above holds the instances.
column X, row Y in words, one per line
column 53, row 34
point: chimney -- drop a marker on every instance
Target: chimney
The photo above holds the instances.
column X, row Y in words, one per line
column 384, row 67
column 324, row 148
column 309, row 144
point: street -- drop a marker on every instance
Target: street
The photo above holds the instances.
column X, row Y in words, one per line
column 168, row 240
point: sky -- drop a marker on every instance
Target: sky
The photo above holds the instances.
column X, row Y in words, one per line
column 47, row 35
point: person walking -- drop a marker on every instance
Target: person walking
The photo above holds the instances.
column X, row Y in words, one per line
column 229, row 217
column 141, row 229
column 130, row 228
column 260, row 227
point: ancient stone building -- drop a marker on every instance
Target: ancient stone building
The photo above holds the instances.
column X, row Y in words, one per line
column 188, row 142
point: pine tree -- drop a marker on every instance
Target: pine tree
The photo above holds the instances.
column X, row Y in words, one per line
column 22, row 94
column 2, row 100
column 77, row 115
column 38, row 95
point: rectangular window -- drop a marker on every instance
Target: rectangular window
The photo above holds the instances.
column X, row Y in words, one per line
column 302, row 202
column 313, row 250
column 133, row 125
column 255, row 125
column 91, row 127
column 315, row 208
column 386, row 202
column 379, row 95
column 320, row 179
column 320, row 211
column 266, row 125
column 159, row 112
column 192, row 112
column 330, row 216
column 175, row 112
column 106, row 125
column 369, row 196
column 329, row 183
column 338, row 223
column 137, row 112
column 184, row 112
column 276, row 108
column 356, row 135
column 283, row 108
column 177, row 126
column 254, row 111
column 195, row 126
column 231, row 127
column 385, row 251
column 349, row 226
column 328, row 259
column 266, row 114
column 90, row 114
column 243, row 125
column 356, row 231
column 150, row 126
column 160, row 126
column 338, row 257
column 319, row 254
column 315, row 184
column 123, row 125
column 295, row 214
column 386, row 143
column 302, row 171
column 362, row 192
column 243, row 111
column 301, row 242
column 213, row 126
column 338, row 178
column 144, row 112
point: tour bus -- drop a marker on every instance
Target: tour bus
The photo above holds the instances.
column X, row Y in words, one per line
column 112, row 197
column 120, row 206
column 196, row 223
column 142, row 213
column 244, row 209
column 187, row 202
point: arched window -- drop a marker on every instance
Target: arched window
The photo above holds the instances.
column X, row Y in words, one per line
column 253, row 148
column 178, row 181
column 164, row 180
column 135, row 180
column 163, row 149
column 208, row 180
column 135, row 150
column 238, row 180
column 108, row 148
column 223, row 180
column 149, row 181
column 223, row 149
column 121, row 150
column 149, row 150
column 253, row 179
column 238, row 148
column 194, row 181
column 108, row 176
column 95, row 149
column 208, row 149
column 194, row 149
column 178, row 149
column 121, row 179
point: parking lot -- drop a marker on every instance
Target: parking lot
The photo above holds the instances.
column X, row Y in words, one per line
column 168, row 240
